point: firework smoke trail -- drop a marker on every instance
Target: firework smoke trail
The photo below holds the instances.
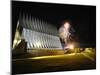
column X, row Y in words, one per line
column 64, row 33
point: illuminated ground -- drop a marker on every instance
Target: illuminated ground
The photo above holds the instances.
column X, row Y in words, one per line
column 66, row 62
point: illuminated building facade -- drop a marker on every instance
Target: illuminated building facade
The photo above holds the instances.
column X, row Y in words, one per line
column 37, row 33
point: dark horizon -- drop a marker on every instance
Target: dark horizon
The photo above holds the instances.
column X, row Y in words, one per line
column 82, row 17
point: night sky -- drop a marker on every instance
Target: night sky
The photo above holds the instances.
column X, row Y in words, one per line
column 83, row 18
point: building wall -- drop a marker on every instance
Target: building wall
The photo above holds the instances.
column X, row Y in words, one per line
column 38, row 33
column 40, row 40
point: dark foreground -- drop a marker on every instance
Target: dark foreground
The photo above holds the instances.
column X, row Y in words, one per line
column 66, row 62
